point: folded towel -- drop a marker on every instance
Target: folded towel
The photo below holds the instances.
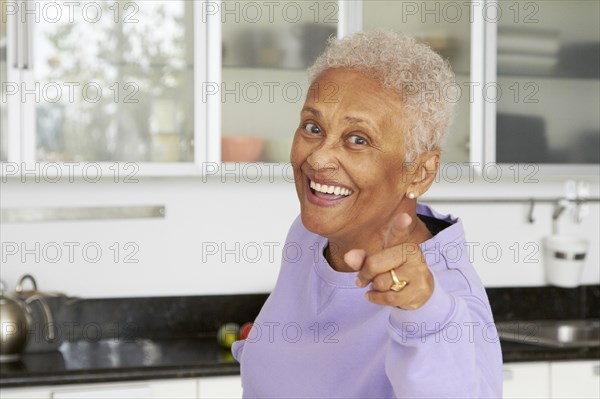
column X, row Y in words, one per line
column 526, row 64
column 521, row 138
column 543, row 42
column 580, row 60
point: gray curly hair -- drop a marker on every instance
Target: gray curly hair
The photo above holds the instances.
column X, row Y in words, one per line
column 421, row 77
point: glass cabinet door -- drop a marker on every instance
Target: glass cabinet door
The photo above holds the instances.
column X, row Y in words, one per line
column 266, row 48
column 548, row 65
column 3, row 86
column 445, row 27
column 112, row 80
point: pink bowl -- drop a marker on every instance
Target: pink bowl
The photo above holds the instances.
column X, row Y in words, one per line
column 241, row 149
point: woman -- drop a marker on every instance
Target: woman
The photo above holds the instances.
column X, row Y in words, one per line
column 376, row 296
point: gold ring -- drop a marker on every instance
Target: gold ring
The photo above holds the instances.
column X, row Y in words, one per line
column 398, row 284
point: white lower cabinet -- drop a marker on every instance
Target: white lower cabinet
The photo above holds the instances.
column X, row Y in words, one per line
column 189, row 388
column 164, row 389
column 220, row 387
column 526, row 380
column 580, row 379
column 564, row 379
column 25, row 393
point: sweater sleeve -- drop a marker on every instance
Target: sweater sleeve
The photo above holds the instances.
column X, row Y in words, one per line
column 237, row 349
column 447, row 348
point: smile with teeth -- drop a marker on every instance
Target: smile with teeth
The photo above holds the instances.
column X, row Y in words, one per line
column 330, row 189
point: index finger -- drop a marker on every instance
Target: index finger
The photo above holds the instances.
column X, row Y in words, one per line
column 384, row 261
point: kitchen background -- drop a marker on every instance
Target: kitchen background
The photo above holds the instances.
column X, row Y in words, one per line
column 145, row 99
column 223, row 232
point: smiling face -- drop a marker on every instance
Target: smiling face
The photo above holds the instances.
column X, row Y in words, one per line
column 350, row 140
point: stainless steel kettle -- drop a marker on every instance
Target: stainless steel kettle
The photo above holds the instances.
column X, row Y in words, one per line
column 15, row 319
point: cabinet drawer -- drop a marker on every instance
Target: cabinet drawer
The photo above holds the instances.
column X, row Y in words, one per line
column 220, row 387
column 580, row 379
column 526, row 380
column 164, row 389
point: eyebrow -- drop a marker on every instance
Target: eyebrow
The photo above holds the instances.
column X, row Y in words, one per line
column 348, row 119
column 313, row 111
column 356, row 119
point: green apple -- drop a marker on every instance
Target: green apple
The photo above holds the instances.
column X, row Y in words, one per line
column 228, row 334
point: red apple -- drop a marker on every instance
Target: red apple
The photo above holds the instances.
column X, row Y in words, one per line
column 245, row 330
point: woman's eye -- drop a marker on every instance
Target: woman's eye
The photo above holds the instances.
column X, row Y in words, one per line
column 312, row 128
column 354, row 139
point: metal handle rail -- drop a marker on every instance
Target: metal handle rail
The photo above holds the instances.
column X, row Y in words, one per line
column 31, row 215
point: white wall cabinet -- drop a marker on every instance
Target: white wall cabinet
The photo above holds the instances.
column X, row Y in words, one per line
column 540, row 59
column 99, row 87
column 226, row 68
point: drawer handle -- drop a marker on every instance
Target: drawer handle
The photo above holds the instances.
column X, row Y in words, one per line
column 507, row 374
column 597, row 370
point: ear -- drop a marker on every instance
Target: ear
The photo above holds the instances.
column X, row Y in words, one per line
column 424, row 176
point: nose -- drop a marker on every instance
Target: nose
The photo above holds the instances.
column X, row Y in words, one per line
column 323, row 160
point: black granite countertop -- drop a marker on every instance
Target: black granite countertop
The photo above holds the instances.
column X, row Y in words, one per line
column 142, row 359
column 103, row 340
column 513, row 352
column 113, row 360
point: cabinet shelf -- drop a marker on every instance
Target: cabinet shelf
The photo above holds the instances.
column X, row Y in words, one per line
column 231, row 67
column 261, row 67
column 549, row 76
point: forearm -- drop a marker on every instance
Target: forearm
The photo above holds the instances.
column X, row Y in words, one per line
column 447, row 348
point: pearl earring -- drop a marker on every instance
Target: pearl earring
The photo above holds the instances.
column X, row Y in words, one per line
column 411, row 195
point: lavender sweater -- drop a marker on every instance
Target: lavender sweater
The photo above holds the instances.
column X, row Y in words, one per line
column 317, row 335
